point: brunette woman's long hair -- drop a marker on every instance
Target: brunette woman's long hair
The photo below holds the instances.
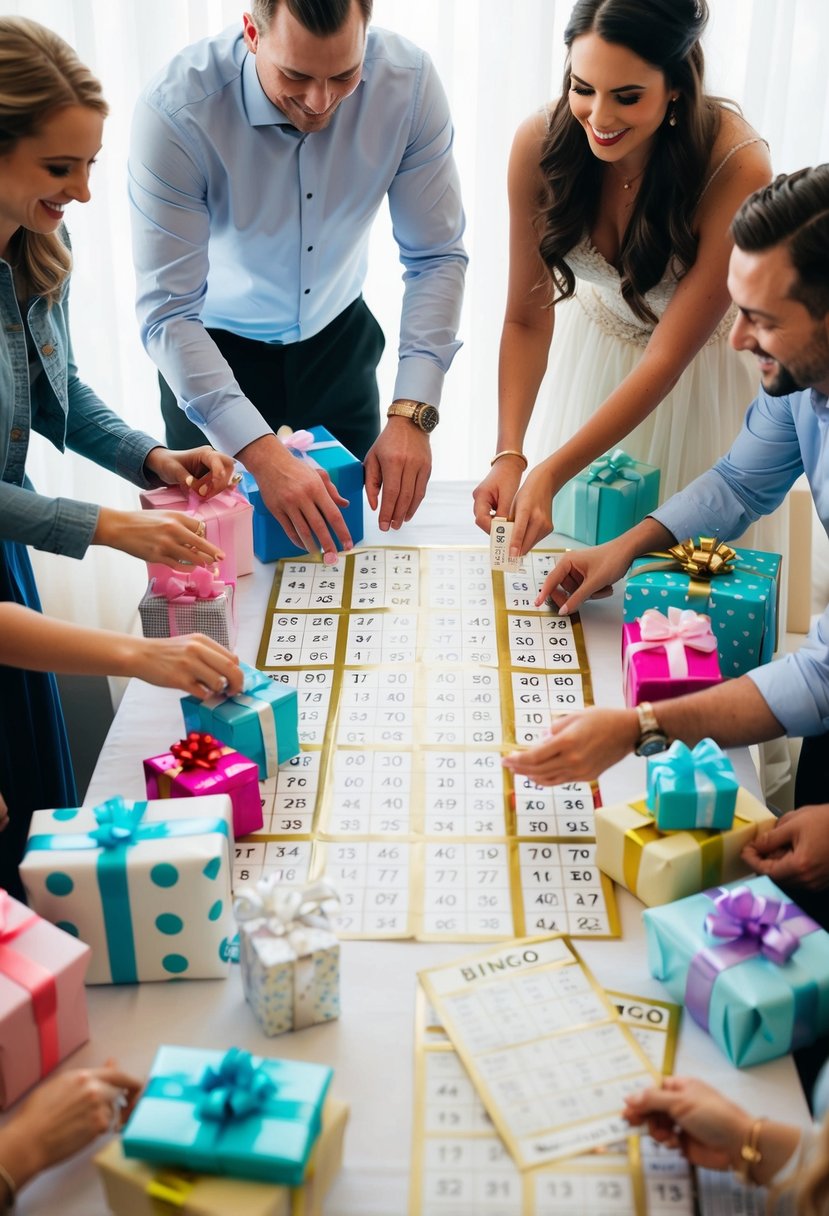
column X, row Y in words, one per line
column 666, row 34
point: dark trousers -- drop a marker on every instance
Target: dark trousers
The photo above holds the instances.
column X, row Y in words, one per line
column 812, row 789
column 328, row 380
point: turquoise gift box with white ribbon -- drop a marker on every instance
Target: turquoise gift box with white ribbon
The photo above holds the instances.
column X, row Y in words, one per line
column 261, row 722
column 690, row 789
column 748, row 965
column 145, row 884
column 229, row 1113
column 606, row 499
column 318, row 448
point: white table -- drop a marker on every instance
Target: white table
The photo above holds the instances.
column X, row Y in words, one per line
column 371, row 1046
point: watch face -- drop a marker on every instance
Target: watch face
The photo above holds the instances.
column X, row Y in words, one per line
column 651, row 745
column 427, row 418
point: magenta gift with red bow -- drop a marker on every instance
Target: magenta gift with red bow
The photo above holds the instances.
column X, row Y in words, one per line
column 667, row 655
column 749, row 966
column 201, row 764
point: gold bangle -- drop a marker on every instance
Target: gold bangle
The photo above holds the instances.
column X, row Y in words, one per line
column 11, row 1185
column 509, row 452
column 750, row 1154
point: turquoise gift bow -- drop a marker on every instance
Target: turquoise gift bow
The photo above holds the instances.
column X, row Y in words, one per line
column 119, row 827
column 680, row 766
column 234, row 1090
column 612, row 466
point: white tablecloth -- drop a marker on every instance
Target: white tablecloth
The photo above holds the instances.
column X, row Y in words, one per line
column 371, row 1046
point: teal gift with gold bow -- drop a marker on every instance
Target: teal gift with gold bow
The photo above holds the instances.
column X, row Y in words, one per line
column 229, row 1113
column 606, row 499
column 145, row 884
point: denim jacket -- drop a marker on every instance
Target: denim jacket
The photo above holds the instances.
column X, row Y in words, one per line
column 67, row 413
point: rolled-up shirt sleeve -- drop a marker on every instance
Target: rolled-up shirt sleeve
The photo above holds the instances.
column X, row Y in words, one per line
column 796, row 688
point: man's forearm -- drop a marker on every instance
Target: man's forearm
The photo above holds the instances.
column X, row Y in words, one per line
column 733, row 714
column 647, row 536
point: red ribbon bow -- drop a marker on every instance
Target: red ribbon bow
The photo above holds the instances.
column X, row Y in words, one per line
column 198, row 750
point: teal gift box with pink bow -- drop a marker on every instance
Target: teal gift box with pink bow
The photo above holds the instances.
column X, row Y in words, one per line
column 145, row 884
column 319, row 449
column 261, row 722
column 229, row 1113
column 692, row 789
column 748, row 965
column 605, row 499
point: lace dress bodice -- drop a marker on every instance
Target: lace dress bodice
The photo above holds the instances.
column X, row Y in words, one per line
column 599, row 292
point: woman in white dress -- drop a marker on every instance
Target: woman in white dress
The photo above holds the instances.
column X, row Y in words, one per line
column 621, row 195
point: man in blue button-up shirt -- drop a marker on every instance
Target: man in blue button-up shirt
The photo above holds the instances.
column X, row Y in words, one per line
column 779, row 279
column 259, row 160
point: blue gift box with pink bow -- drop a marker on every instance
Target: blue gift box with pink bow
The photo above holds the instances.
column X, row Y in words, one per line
column 749, row 966
column 229, row 1113
column 261, row 722
column 319, row 449
column 692, row 788
column 605, row 499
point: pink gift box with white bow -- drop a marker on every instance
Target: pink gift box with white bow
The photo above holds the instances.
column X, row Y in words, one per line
column 668, row 655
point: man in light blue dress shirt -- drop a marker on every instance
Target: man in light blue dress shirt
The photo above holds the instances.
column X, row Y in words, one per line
column 779, row 279
column 259, row 160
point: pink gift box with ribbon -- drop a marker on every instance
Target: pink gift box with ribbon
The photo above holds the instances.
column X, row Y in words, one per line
column 228, row 519
column 42, row 997
column 200, row 765
column 196, row 602
column 668, row 655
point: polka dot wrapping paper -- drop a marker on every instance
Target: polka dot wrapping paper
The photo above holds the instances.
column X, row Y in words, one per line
column 742, row 604
column 290, row 981
column 154, row 905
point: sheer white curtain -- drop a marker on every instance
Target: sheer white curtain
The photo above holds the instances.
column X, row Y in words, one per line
column 498, row 62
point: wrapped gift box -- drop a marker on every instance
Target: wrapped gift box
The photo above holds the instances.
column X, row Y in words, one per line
column 42, row 999
column 228, row 519
column 658, row 867
column 145, row 884
column 189, row 603
column 261, row 722
column 318, row 447
column 690, row 789
column 747, row 964
column 736, row 588
column 606, row 499
column 137, row 1188
column 290, row 957
column 229, row 1113
column 667, row 655
column 200, row 765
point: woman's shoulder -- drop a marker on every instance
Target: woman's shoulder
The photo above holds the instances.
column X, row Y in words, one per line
column 532, row 132
column 735, row 133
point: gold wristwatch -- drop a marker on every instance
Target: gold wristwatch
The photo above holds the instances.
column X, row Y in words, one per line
column 425, row 417
column 652, row 738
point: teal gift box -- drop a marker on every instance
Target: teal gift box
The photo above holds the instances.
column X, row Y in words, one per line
column 737, row 588
column 690, row 789
column 229, row 1113
column 606, row 499
column 747, row 964
column 261, row 722
column 319, row 448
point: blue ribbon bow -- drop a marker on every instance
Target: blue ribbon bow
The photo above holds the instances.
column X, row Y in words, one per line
column 235, row 1089
column 612, row 466
column 117, row 822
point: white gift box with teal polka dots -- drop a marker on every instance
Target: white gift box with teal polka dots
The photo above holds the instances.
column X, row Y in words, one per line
column 742, row 605
column 292, row 980
column 150, row 909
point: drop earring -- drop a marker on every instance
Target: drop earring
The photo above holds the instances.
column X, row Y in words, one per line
column 672, row 115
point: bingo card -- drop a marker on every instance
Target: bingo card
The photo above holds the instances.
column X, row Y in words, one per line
column 416, row 670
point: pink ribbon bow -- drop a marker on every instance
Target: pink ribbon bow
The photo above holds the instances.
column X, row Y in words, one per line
column 200, row 583
column 680, row 628
column 298, row 441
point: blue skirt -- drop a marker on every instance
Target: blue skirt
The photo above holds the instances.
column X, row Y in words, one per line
column 35, row 765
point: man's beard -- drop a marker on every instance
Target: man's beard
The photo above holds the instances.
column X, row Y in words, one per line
column 782, row 383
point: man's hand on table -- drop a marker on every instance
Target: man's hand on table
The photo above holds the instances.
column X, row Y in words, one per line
column 399, row 463
column 578, row 746
column 796, row 851
column 304, row 500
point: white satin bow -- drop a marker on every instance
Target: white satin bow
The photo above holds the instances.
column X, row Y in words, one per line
column 287, row 911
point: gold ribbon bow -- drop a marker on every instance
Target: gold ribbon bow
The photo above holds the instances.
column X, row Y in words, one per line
column 706, row 559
